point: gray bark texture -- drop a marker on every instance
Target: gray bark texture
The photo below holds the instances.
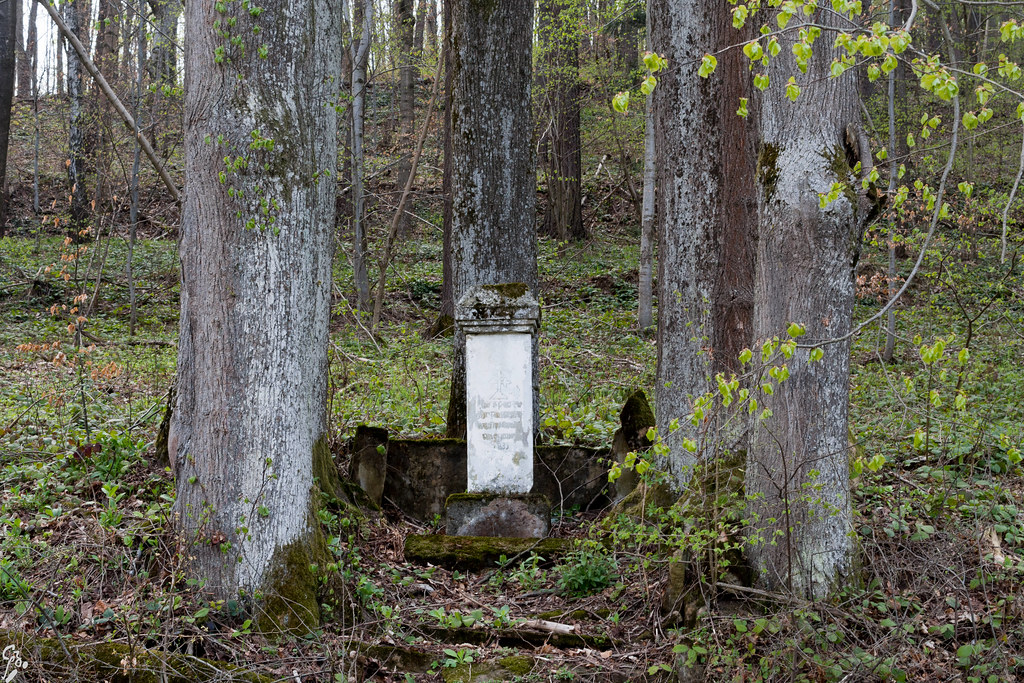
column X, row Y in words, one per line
column 797, row 476
column 256, row 281
column 493, row 237
column 645, row 295
column 687, row 129
column 24, row 62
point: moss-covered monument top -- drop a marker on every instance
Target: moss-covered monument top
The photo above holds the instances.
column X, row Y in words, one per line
column 496, row 309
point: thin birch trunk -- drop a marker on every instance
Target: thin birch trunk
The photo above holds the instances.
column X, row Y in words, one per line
column 645, row 314
column 360, row 53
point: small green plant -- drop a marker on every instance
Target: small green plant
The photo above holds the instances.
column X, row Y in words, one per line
column 454, row 658
column 586, row 571
column 529, row 575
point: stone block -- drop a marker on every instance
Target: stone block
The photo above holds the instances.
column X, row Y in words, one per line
column 370, row 461
column 422, row 473
column 571, row 476
column 488, row 514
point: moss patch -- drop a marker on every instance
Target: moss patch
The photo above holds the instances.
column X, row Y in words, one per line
column 290, row 605
column 325, row 472
column 768, row 169
column 636, row 418
column 477, row 552
column 103, row 662
column 508, row 290
column 519, row 665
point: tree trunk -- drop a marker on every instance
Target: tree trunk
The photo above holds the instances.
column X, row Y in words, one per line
column 493, row 238
column 563, row 218
column 7, row 68
column 133, row 223
column 74, row 11
column 24, row 62
column 430, row 29
column 446, row 316
column 734, row 286
column 249, row 425
column 645, row 295
column 797, row 474
column 61, row 77
column 421, row 19
column 359, row 56
column 163, row 67
column 106, row 60
column 34, row 72
column 689, row 209
column 406, row 100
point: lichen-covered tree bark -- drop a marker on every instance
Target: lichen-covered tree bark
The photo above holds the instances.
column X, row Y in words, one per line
column 493, row 239
column 797, row 473
column 249, row 422
column 700, row 143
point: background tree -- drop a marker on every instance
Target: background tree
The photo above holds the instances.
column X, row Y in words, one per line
column 8, row 10
column 404, row 28
column 359, row 57
column 249, row 420
column 493, row 238
column 75, row 17
column 559, row 36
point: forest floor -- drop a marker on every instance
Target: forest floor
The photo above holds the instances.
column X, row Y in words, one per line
column 87, row 553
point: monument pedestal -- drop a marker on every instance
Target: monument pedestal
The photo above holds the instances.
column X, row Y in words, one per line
column 498, row 514
column 499, row 322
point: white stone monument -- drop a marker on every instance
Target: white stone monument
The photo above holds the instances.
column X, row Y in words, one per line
column 499, row 322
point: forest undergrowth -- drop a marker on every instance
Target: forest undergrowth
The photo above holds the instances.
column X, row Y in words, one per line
column 89, row 556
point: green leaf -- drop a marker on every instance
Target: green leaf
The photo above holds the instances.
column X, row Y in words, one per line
column 792, row 89
column 745, row 356
column 647, row 87
column 620, row 102
column 742, row 111
column 707, row 66
column 796, row 330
